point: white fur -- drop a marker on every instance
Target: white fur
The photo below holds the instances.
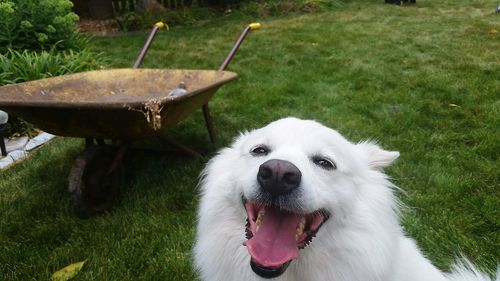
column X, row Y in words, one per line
column 362, row 240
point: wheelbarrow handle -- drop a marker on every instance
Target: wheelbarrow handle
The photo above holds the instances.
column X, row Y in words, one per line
column 140, row 58
column 236, row 46
column 243, row 35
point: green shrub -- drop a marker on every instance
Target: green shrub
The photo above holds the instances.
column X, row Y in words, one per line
column 264, row 8
column 129, row 21
column 18, row 127
column 186, row 16
column 24, row 66
column 38, row 25
column 194, row 14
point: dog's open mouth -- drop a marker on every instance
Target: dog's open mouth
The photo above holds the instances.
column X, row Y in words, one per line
column 275, row 236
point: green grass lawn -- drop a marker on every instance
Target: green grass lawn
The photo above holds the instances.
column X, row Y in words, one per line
column 422, row 79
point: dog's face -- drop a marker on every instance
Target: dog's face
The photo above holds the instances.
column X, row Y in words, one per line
column 294, row 176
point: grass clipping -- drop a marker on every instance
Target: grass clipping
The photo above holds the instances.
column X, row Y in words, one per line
column 152, row 112
column 67, row 272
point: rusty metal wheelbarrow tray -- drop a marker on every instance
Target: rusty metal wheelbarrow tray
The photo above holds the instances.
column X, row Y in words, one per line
column 112, row 104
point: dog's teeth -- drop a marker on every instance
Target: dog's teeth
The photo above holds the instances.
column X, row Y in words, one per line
column 260, row 216
column 300, row 228
column 248, row 233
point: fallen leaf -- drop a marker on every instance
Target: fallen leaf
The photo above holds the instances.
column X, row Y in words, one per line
column 67, row 272
column 493, row 30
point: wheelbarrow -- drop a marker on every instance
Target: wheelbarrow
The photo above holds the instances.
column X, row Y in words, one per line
column 121, row 105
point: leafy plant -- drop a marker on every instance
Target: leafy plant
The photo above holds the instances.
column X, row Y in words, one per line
column 23, row 66
column 129, row 21
column 261, row 8
column 190, row 14
column 38, row 25
column 18, row 127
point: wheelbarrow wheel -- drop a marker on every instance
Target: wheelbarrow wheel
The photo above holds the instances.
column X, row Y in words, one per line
column 92, row 187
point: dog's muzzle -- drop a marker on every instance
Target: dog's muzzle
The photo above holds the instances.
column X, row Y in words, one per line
column 276, row 230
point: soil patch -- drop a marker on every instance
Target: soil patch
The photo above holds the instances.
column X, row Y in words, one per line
column 98, row 26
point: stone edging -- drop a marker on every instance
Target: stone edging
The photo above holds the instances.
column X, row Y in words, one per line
column 19, row 154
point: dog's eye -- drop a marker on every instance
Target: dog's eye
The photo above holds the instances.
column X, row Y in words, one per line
column 259, row 150
column 324, row 163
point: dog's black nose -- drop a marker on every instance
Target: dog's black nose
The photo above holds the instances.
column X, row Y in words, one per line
column 278, row 177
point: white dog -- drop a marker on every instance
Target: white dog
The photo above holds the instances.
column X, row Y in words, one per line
column 296, row 201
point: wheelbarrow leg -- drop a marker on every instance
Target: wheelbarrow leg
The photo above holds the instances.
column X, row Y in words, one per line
column 2, row 142
column 181, row 147
column 89, row 142
column 208, row 122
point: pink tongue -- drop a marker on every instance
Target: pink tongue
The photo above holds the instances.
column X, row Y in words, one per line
column 274, row 243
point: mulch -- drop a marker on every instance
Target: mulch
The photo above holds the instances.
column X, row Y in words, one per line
column 98, row 26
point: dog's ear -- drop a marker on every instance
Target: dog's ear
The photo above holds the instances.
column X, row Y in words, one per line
column 376, row 156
